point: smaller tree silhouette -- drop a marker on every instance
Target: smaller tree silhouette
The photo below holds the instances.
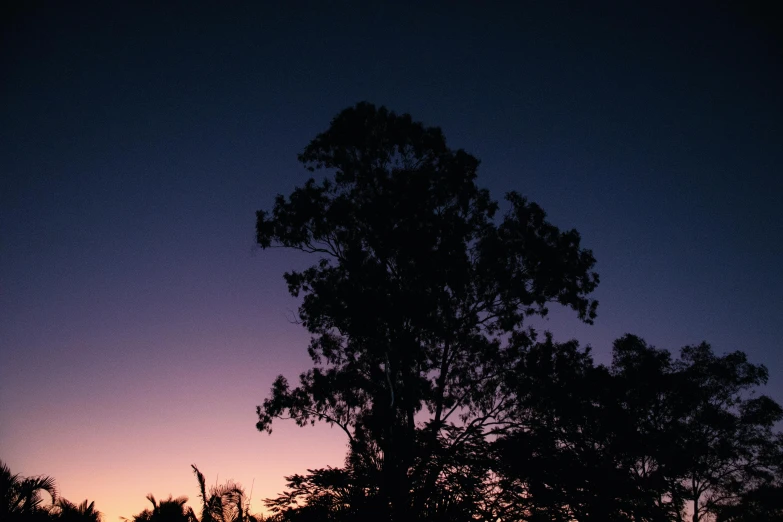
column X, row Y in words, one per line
column 168, row 510
column 763, row 504
column 23, row 497
column 417, row 301
column 66, row 511
column 224, row 503
column 724, row 432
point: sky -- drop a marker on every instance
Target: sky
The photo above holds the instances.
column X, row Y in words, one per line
column 140, row 325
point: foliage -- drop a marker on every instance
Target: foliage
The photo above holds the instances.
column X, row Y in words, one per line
column 66, row 511
column 419, row 296
column 565, row 441
column 649, row 439
column 223, row 503
column 22, row 497
column 324, row 494
column 453, row 408
column 168, row 510
column 763, row 504
column 23, row 500
column 723, row 432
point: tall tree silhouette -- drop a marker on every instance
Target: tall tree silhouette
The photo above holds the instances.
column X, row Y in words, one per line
column 418, row 300
column 726, row 437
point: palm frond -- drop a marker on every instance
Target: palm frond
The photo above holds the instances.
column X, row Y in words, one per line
column 206, row 511
column 154, row 502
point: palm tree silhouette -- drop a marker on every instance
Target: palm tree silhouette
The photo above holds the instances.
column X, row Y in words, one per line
column 22, row 497
column 168, row 510
column 225, row 503
column 66, row 511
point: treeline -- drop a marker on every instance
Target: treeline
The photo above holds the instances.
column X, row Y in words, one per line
column 454, row 409
column 36, row 499
column 648, row 438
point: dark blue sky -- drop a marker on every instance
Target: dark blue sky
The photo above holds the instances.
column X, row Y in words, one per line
column 137, row 144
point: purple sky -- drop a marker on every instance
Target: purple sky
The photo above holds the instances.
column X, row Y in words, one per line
column 140, row 325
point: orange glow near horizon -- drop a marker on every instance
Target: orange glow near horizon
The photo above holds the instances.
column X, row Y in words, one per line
column 135, row 426
column 118, row 473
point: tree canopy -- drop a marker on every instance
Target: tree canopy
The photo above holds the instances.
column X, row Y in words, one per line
column 454, row 407
column 419, row 296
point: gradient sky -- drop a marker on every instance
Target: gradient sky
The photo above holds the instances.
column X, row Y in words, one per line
column 139, row 324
